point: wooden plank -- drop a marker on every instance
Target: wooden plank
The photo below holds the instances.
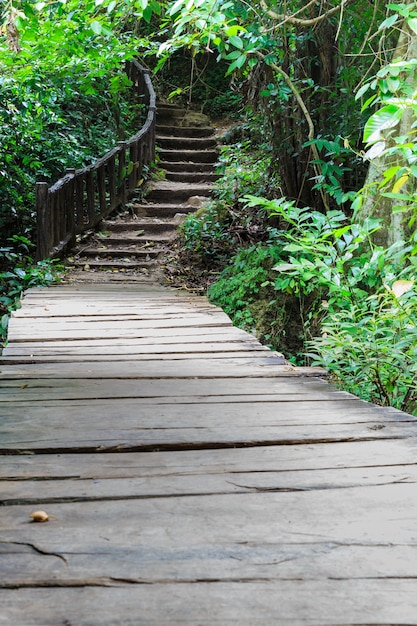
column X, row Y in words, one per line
column 381, row 602
column 60, row 434
column 47, row 492
column 155, row 318
column 267, row 366
column 232, row 335
column 72, row 327
column 149, row 350
column 239, row 358
column 127, row 333
column 70, row 309
column 275, row 562
column 238, row 386
column 288, row 517
column 44, row 389
column 277, row 459
column 187, row 412
column 193, row 438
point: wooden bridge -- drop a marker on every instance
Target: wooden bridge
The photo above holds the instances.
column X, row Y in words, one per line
column 190, row 475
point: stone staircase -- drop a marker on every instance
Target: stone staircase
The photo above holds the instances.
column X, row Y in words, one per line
column 136, row 241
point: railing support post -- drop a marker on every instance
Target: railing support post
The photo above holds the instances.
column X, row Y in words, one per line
column 122, row 172
column 69, row 233
column 44, row 229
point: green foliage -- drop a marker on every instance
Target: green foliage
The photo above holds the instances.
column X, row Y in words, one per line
column 18, row 272
column 64, row 96
column 337, row 161
column 45, row 126
column 302, row 83
column 368, row 329
column 371, row 348
column 241, row 284
column 205, row 234
column 223, row 104
column 198, row 81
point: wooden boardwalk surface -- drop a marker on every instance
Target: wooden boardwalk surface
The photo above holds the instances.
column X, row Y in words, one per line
column 191, row 476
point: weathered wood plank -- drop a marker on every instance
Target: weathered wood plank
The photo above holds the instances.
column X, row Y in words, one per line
column 220, row 347
column 277, row 459
column 381, row 602
column 309, row 517
column 239, row 359
column 63, row 388
column 155, row 318
column 188, row 412
column 22, row 566
column 19, row 332
column 46, row 492
column 98, row 310
column 91, row 439
column 165, row 423
column 209, row 335
column 267, row 366
column 144, row 350
column 131, row 333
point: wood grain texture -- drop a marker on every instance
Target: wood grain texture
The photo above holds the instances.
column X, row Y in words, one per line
column 192, row 477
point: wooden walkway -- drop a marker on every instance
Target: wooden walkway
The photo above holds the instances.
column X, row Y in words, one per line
column 191, row 476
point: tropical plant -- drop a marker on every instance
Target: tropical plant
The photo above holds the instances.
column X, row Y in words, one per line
column 370, row 348
column 18, row 272
column 356, row 300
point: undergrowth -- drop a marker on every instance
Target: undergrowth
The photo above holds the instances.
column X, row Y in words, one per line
column 18, row 272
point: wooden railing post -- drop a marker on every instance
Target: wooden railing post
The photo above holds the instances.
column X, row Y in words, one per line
column 69, row 232
column 122, row 172
column 43, row 227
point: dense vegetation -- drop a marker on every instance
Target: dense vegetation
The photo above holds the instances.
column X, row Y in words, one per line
column 309, row 240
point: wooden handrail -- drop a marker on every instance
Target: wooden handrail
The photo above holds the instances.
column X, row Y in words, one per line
column 82, row 198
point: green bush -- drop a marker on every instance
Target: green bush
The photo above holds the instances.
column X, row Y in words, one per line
column 241, row 284
column 356, row 301
column 371, row 347
column 205, row 234
column 225, row 104
column 18, row 272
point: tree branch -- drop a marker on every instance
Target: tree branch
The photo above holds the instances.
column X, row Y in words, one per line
column 306, row 113
column 297, row 21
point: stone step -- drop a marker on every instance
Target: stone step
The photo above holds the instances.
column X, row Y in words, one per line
column 165, row 190
column 131, row 264
column 124, row 239
column 192, row 156
column 168, row 115
column 186, row 143
column 173, row 110
column 184, row 131
column 192, row 177
column 123, row 252
column 141, row 227
column 162, row 210
column 181, row 166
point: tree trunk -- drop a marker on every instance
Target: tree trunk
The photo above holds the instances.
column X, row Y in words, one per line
column 374, row 204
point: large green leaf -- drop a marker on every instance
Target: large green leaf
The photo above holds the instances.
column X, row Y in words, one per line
column 384, row 119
